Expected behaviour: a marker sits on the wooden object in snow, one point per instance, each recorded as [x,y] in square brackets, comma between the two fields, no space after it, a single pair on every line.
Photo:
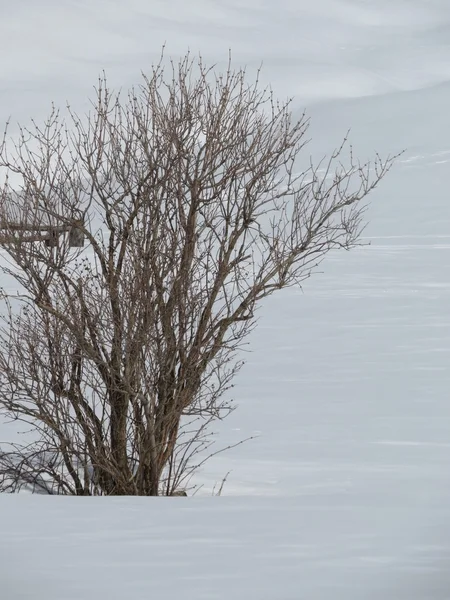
[44,233]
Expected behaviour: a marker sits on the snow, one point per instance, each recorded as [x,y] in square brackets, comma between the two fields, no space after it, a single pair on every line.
[232,548]
[345,491]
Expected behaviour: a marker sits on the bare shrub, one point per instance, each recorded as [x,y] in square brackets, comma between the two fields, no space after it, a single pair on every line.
[194,204]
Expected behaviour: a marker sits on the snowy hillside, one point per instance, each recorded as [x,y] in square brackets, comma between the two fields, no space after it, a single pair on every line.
[345,493]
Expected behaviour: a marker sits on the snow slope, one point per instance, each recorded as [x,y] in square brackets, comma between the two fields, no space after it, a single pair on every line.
[242,548]
[345,493]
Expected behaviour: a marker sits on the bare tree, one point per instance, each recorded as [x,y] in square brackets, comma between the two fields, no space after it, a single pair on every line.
[195,202]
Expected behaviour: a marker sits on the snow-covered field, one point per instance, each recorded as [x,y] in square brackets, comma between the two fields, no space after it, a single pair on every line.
[345,493]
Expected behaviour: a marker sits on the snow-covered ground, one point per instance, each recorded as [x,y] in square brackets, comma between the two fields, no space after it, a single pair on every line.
[345,493]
